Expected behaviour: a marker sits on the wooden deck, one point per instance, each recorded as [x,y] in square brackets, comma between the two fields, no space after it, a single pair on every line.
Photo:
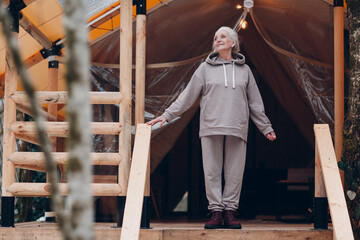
[253,229]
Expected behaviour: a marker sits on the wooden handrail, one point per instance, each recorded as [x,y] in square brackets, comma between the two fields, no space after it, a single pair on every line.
[37,158]
[43,189]
[328,182]
[136,187]
[61,129]
[60,97]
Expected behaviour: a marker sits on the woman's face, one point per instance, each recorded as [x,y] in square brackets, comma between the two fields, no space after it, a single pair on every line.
[222,41]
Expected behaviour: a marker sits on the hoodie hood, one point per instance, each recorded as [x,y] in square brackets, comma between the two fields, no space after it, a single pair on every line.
[213,59]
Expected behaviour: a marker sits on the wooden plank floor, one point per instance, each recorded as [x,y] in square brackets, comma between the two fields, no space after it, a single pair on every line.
[253,229]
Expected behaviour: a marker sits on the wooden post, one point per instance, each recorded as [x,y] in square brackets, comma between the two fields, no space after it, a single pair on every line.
[140,93]
[125,89]
[320,200]
[8,168]
[339,77]
[53,85]
[52,110]
[140,68]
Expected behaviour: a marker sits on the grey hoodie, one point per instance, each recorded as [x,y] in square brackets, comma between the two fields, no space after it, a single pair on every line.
[229,96]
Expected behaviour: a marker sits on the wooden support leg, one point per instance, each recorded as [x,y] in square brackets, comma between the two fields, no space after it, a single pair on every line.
[321,213]
[145,217]
[320,201]
[120,210]
[7,211]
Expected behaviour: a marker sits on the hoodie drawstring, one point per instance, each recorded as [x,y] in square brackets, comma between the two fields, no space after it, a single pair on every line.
[233,68]
[225,78]
[233,75]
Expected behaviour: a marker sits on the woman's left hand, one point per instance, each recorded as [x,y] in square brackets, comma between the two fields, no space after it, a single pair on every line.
[271,136]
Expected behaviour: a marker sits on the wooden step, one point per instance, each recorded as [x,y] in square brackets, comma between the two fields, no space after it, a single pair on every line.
[61,97]
[176,231]
[61,129]
[43,189]
[37,158]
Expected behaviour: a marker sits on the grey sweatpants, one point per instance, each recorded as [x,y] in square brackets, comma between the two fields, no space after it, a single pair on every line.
[233,163]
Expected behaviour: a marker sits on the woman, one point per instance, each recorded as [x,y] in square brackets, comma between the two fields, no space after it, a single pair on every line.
[229,96]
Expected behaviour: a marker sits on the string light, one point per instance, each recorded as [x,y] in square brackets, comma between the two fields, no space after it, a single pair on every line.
[238,6]
[244,24]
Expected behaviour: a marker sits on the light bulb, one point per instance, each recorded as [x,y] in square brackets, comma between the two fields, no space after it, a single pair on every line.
[238,6]
[244,25]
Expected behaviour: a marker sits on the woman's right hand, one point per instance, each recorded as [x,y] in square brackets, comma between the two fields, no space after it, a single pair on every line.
[160,119]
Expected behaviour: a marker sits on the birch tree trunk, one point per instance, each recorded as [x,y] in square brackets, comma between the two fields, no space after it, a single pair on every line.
[351,147]
[79,173]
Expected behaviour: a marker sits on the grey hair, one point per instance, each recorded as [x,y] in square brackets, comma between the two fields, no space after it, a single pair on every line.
[233,36]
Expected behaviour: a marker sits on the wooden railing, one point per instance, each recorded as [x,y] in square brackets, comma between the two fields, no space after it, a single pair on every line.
[328,183]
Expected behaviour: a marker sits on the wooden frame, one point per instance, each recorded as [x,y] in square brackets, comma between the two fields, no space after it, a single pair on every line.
[27,130]
[125,88]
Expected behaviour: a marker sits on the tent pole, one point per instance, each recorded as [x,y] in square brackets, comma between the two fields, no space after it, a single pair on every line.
[338,77]
[125,81]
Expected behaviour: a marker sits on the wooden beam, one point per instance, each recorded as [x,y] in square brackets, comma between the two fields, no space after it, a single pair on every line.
[33,59]
[136,187]
[37,158]
[43,189]
[125,81]
[29,62]
[60,97]
[338,81]
[37,168]
[8,168]
[61,129]
[25,108]
[334,190]
[140,68]
[33,31]
[28,138]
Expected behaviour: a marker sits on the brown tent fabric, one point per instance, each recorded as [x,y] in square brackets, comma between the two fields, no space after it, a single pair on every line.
[184,29]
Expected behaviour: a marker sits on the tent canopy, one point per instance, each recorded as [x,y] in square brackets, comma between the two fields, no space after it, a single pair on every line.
[183,29]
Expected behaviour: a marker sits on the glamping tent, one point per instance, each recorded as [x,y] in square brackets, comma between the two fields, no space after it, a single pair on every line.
[288,44]
[289,47]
